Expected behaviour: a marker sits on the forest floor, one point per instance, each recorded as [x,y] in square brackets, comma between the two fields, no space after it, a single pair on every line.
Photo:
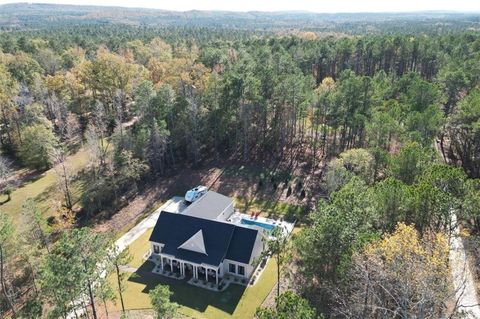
[271,197]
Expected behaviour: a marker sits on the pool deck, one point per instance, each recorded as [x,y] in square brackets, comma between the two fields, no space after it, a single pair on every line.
[236,218]
[177,205]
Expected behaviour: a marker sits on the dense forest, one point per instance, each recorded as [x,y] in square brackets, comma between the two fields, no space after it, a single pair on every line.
[391,119]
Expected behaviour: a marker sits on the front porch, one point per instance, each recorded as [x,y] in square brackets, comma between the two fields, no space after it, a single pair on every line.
[205,276]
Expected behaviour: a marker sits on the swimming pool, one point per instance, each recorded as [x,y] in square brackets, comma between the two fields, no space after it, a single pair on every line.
[257,223]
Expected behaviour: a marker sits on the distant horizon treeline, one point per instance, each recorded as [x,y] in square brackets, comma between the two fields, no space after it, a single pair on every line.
[18,16]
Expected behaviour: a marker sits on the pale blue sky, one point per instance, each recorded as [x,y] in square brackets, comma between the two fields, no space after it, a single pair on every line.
[282,5]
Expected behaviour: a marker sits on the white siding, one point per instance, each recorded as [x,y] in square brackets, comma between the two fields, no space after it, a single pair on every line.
[156,244]
[226,268]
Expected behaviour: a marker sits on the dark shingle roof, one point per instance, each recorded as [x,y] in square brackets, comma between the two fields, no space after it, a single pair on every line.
[221,239]
[245,244]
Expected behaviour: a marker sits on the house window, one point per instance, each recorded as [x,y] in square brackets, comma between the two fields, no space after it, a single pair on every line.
[241,270]
[156,249]
[231,268]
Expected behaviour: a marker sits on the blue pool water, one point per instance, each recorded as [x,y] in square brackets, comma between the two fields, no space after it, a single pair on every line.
[257,223]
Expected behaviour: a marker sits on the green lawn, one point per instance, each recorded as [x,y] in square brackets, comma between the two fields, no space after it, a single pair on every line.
[139,247]
[43,189]
[235,302]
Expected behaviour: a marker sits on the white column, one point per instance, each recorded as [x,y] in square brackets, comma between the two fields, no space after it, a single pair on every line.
[161,260]
[195,271]
[206,273]
[216,276]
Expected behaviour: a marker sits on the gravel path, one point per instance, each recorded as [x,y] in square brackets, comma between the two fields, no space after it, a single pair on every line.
[463,280]
[149,222]
[126,268]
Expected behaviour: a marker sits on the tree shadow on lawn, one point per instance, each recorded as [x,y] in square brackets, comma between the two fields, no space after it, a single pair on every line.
[187,295]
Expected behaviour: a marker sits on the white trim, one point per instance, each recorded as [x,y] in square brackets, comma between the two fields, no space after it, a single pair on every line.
[234,266]
[238,271]
[248,268]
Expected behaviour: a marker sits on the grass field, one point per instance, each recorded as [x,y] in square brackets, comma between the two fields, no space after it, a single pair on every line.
[235,302]
[43,189]
[138,249]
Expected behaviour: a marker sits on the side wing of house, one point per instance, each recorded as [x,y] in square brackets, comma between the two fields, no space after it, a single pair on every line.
[244,252]
[212,205]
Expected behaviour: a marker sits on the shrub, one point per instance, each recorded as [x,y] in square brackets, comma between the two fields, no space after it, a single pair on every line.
[8,190]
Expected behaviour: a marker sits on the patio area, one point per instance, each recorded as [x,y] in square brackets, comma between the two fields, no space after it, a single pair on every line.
[245,220]
[196,275]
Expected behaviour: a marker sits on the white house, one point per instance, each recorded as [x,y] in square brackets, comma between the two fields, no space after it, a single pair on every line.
[199,242]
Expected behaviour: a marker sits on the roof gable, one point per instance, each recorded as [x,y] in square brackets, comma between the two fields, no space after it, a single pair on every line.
[195,243]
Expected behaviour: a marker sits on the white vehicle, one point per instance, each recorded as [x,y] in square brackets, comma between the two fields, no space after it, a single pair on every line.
[195,193]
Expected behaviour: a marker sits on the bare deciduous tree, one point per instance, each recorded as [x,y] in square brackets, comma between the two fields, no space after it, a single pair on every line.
[64,177]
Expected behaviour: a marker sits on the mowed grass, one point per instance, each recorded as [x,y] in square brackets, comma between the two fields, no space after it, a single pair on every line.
[43,189]
[139,248]
[235,302]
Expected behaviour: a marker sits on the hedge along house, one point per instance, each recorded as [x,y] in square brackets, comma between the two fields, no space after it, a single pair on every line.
[199,243]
